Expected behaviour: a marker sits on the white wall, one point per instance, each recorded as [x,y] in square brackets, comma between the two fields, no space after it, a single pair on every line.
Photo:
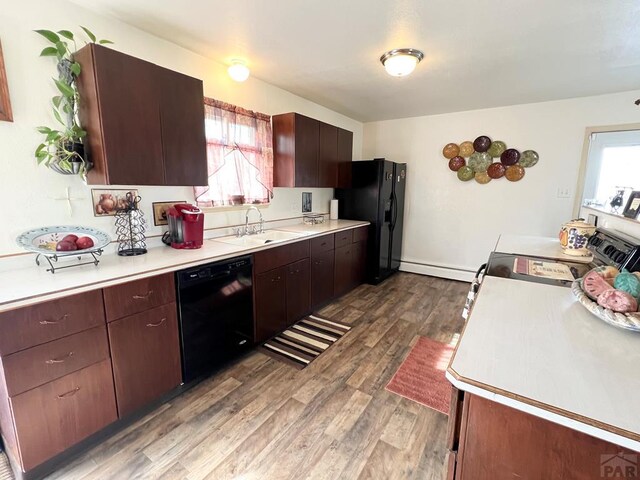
[454,225]
[29,192]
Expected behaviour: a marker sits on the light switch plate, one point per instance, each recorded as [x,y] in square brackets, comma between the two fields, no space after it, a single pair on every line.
[564,192]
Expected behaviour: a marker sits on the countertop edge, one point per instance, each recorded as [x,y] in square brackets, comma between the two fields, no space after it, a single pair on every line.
[567,419]
[32,300]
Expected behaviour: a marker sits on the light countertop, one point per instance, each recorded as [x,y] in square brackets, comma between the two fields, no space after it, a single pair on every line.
[546,247]
[23,283]
[535,348]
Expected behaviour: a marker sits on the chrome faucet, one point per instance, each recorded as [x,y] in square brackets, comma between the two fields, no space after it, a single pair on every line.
[253,230]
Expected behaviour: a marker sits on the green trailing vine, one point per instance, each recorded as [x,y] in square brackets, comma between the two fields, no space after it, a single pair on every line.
[59,149]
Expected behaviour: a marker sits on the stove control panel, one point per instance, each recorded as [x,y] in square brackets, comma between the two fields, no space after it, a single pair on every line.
[616,249]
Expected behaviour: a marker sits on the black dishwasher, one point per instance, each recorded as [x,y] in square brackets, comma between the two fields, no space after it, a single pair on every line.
[216,314]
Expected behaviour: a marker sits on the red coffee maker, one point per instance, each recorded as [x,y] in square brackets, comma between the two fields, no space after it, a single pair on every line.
[186,226]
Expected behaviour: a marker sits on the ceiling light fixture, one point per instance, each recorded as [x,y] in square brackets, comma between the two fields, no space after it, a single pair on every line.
[238,71]
[400,62]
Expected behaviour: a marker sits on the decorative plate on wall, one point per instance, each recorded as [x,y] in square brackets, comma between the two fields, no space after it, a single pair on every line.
[476,160]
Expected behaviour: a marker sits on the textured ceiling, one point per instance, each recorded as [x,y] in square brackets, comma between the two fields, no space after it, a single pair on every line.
[478,53]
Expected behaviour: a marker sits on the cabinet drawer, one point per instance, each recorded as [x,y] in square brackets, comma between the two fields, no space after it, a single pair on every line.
[344,238]
[57,415]
[29,326]
[145,351]
[38,365]
[360,234]
[134,297]
[280,256]
[322,244]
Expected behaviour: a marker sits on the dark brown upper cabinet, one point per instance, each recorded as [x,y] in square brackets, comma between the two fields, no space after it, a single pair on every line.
[144,123]
[345,157]
[328,156]
[308,153]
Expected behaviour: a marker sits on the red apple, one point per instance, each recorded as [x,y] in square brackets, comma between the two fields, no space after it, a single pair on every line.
[70,238]
[84,243]
[63,246]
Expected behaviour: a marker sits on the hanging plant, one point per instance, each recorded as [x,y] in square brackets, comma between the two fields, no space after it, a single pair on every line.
[62,149]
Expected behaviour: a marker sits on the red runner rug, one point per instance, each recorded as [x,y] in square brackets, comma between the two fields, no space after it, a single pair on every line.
[421,376]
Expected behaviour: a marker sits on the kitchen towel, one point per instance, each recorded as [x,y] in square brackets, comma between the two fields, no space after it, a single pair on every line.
[333,210]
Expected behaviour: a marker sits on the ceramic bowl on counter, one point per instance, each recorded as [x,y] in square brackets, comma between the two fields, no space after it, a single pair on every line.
[46,239]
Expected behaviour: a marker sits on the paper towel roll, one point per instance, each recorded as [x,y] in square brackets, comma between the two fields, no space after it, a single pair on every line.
[333,210]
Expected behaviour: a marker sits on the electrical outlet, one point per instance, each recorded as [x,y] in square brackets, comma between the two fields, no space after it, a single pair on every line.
[564,192]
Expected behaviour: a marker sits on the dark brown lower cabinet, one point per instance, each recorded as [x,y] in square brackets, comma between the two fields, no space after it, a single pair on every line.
[59,414]
[322,269]
[298,291]
[350,261]
[295,284]
[359,262]
[498,442]
[145,350]
[36,366]
[270,293]
[342,277]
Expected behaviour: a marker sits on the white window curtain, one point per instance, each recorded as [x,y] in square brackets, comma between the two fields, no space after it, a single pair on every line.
[239,156]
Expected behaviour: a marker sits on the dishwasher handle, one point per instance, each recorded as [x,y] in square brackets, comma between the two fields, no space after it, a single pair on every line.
[214,271]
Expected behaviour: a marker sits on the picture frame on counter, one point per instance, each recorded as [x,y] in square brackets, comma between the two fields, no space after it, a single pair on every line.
[160,210]
[6,114]
[106,202]
[307,202]
[632,208]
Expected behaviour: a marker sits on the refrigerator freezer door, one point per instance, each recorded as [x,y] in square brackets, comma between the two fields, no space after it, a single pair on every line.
[399,184]
[386,208]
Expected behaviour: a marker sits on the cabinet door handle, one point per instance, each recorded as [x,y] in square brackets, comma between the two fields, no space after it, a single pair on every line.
[157,324]
[54,322]
[70,393]
[323,244]
[59,359]
[143,297]
[318,262]
[277,279]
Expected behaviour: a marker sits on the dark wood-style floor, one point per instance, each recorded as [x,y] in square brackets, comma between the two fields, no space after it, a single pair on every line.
[262,419]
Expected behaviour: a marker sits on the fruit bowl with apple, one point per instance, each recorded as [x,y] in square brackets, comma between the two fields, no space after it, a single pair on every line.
[63,240]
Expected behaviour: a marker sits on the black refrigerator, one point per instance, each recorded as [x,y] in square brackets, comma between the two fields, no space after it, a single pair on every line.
[377,195]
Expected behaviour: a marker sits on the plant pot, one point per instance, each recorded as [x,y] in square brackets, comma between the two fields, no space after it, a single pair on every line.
[75,164]
[78,149]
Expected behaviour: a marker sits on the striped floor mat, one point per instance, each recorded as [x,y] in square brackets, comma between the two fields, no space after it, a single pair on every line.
[5,469]
[306,340]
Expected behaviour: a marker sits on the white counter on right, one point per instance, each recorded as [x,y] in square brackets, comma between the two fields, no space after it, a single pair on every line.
[546,247]
[535,348]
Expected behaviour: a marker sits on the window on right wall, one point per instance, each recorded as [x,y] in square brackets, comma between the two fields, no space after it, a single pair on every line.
[239,156]
[613,165]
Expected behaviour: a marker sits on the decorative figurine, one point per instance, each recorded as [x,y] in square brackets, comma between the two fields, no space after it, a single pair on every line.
[617,200]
